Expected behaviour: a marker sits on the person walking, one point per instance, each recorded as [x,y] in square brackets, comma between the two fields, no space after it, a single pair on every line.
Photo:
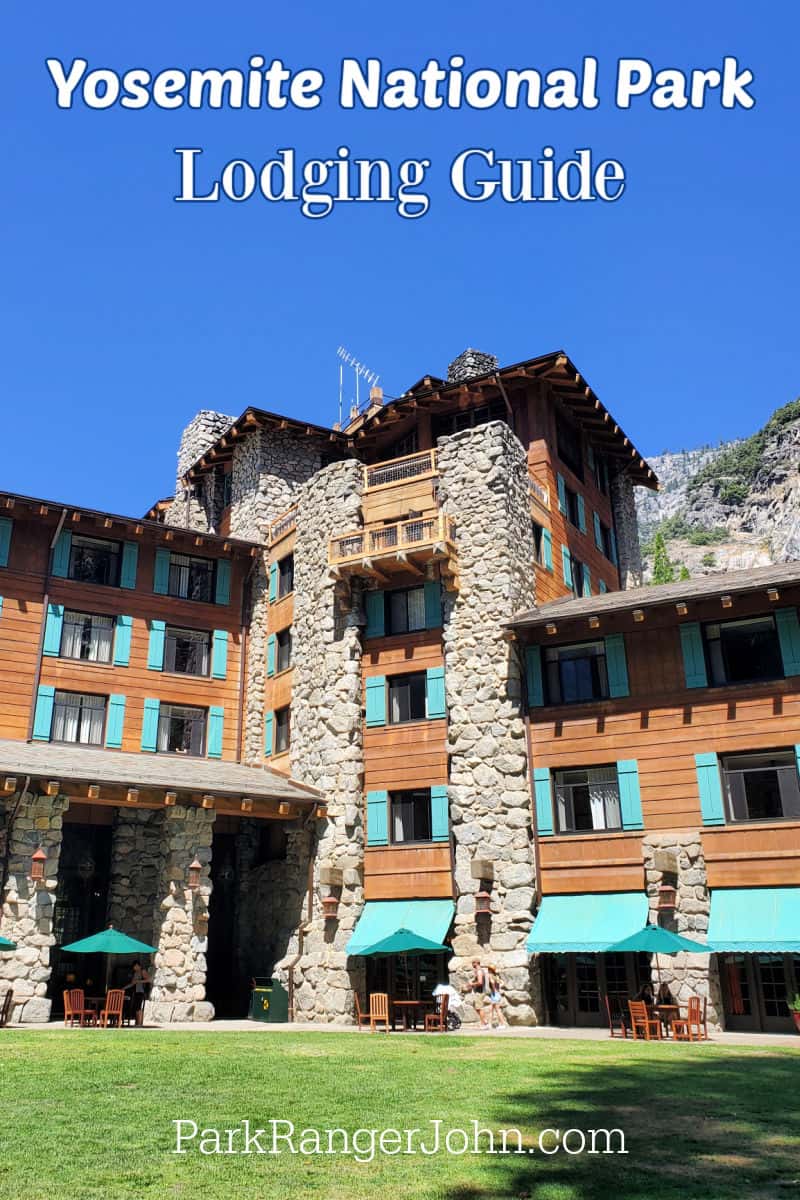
[495,998]
[479,986]
[139,987]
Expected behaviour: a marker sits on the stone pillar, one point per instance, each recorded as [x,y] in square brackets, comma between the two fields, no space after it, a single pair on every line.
[484,486]
[677,859]
[326,745]
[626,527]
[28,908]
[136,854]
[198,507]
[181,918]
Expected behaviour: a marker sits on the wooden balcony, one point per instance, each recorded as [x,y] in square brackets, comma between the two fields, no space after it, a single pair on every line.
[393,490]
[283,525]
[380,551]
[398,470]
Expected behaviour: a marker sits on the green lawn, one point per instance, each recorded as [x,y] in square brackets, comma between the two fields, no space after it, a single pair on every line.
[86,1115]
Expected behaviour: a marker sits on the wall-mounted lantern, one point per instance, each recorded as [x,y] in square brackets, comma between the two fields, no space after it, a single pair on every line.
[667,897]
[194,874]
[330,907]
[483,904]
[38,859]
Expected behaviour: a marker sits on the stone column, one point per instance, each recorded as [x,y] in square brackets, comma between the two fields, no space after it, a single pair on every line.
[136,854]
[626,527]
[198,507]
[484,486]
[28,907]
[181,918]
[677,859]
[326,745]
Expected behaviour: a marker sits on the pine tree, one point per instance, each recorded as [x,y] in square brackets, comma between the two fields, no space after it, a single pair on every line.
[683,574]
[663,570]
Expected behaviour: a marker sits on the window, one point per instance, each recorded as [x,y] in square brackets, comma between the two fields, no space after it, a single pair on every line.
[405,610]
[601,473]
[283,646]
[538,531]
[468,418]
[405,445]
[187,651]
[78,718]
[94,560]
[410,816]
[87,637]
[606,545]
[576,673]
[762,787]
[181,730]
[569,446]
[407,698]
[587,798]
[191,578]
[743,651]
[285,576]
[282,730]
[580,577]
[572,507]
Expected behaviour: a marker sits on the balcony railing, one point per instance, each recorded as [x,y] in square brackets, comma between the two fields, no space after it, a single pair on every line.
[379,540]
[412,466]
[283,525]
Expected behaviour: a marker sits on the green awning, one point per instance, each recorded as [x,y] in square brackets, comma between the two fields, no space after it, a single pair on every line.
[755,920]
[5,944]
[587,923]
[402,927]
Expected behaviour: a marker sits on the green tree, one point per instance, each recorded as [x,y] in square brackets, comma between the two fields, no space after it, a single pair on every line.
[663,570]
[683,574]
[709,560]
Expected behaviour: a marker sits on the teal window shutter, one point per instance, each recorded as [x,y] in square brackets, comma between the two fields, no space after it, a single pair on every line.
[219,654]
[155,651]
[789,638]
[598,531]
[710,787]
[61,553]
[694,659]
[562,493]
[269,721]
[544,801]
[433,604]
[273,583]
[581,513]
[52,630]
[587,581]
[630,800]
[547,549]
[130,560]
[161,572]
[1,606]
[435,702]
[271,654]
[440,814]
[150,725]
[222,594]
[566,565]
[43,714]
[616,665]
[115,722]
[123,627]
[376,614]
[533,676]
[376,700]
[613,541]
[6,525]
[377,818]
[216,718]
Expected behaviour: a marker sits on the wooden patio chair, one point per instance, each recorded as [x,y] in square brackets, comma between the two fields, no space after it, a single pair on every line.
[362,1018]
[75,1007]
[616,1024]
[693,1027]
[115,1002]
[6,1008]
[642,1019]
[436,1022]
[379,1011]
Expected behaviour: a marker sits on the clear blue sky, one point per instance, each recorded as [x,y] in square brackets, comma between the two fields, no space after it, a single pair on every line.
[123,312]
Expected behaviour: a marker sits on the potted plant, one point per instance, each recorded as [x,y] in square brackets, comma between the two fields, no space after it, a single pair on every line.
[794,1008]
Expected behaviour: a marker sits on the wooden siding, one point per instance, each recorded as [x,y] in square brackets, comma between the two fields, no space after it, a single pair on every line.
[753,855]
[609,862]
[403,652]
[408,872]
[398,757]
[394,501]
[20,626]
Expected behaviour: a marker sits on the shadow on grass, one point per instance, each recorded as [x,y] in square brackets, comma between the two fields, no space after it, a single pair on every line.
[698,1128]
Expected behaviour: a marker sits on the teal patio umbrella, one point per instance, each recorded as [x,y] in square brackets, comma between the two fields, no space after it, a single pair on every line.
[5,945]
[406,941]
[655,940]
[109,941]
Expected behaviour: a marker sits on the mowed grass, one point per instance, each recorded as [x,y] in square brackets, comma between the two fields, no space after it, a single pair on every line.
[87,1115]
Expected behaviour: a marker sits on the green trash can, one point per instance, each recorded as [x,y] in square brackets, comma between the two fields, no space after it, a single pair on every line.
[269,1001]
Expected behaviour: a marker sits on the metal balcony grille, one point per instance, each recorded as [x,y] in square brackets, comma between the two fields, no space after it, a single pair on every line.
[399,469]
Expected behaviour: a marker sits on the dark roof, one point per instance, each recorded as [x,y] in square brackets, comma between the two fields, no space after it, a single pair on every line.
[774,575]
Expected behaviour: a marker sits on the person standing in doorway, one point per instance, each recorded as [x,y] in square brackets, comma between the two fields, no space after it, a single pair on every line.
[139,987]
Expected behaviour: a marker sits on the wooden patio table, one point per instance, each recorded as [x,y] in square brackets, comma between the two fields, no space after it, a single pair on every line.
[667,1013]
[410,1008]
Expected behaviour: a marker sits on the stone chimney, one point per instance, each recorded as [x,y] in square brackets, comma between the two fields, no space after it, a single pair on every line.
[202,431]
[469,364]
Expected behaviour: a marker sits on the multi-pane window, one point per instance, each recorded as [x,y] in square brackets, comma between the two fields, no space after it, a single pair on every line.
[572,507]
[575,673]
[606,540]
[191,578]
[410,816]
[569,446]
[601,473]
[762,786]
[407,698]
[405,610]
[538,532]
[282,730]
[181,730]
[285,576]
[405,445]
[187,651]
[743,651]
[587,798]
[87,636]
[283,650]
[94,560]
[579,577]
[78,718]
[468,418]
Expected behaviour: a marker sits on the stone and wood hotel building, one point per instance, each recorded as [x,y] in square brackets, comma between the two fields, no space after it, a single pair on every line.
[397,676]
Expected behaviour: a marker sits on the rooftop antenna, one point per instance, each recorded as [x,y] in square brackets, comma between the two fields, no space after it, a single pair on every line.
[361,371]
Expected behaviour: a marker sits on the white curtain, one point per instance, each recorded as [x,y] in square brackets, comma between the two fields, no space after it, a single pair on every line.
[402,821]
[100,636]
[604,799]
[87,636]
[78,718]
